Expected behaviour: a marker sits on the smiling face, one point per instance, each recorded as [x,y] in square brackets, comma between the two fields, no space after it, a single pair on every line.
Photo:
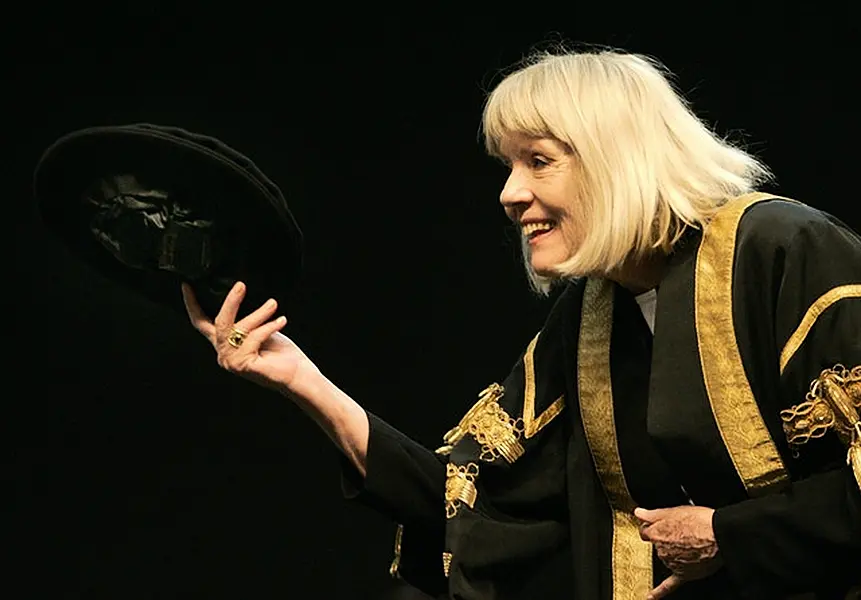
[540,196]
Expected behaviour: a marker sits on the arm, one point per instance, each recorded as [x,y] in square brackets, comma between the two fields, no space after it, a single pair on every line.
[388,472]
[340,417]
[405,482]
[808,537]
[383,468]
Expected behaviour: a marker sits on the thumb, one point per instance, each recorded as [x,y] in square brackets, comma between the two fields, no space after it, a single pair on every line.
[648,516]
[667,586]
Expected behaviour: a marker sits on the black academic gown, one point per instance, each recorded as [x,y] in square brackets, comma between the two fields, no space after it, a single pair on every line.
[532,495]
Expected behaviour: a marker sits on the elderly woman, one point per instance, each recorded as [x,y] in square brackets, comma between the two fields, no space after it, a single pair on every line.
[685,424]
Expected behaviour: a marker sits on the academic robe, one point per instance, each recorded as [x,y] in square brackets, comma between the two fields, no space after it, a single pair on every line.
[532,493]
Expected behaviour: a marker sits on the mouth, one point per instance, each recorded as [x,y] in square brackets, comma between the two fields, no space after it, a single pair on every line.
[534,231]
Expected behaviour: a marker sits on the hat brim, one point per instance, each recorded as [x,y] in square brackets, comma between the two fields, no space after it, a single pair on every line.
[258,238]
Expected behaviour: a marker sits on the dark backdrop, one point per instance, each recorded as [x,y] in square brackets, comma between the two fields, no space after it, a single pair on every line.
[138,468]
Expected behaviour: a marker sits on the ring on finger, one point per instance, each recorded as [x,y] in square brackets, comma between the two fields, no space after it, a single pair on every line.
[236,337]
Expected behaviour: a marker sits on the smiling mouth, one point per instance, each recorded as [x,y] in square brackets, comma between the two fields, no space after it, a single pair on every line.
[535,230]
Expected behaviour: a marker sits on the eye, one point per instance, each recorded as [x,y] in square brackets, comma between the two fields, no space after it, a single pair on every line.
[538,161]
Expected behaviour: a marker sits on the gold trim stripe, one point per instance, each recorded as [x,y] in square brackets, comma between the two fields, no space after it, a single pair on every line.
[735,410]
[595,389]
[396,561]
[822,304]
[632,557]
[536,425]
[531,425]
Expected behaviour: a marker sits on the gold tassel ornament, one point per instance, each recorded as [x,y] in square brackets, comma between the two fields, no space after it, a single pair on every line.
[833,403]
[853,457]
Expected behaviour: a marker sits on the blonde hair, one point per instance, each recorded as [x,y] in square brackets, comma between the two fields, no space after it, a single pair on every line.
[650,168]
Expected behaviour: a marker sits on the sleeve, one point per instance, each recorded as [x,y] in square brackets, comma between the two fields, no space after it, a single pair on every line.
[808,537]
[405,482]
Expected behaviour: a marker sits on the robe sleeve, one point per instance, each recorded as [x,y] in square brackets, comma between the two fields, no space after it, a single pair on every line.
[405,482]
[809,536]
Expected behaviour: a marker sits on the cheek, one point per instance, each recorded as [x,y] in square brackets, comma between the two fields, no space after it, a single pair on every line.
[573,218]
[571,232]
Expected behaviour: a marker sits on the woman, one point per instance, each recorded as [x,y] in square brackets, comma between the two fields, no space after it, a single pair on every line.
[680,425]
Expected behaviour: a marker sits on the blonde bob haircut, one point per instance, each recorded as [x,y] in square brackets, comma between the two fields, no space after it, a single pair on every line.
[650,168]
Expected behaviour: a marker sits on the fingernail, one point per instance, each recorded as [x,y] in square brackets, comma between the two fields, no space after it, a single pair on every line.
[238,286]
[282,320]
[270,303]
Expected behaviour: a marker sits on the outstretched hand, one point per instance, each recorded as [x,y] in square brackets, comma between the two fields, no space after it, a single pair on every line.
[258,352]
[684,539]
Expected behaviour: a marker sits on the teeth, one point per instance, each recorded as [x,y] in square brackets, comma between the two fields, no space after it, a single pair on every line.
[533,228]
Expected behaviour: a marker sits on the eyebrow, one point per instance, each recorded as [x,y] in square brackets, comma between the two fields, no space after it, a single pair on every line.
[528,147]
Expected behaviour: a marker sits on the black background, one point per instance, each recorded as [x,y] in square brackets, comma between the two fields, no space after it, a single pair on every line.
[139,469]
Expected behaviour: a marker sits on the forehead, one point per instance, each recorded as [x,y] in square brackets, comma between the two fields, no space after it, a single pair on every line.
[518,143]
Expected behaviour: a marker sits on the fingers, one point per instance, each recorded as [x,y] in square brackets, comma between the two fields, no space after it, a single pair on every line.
[196,315]
[258,317]
[226,317]
[667,586]
[256,338]
[647,518]
[256,326]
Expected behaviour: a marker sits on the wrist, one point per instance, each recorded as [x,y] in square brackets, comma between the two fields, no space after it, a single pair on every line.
[320,398]
[306,384]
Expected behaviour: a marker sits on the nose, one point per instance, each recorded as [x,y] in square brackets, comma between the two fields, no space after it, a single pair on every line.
[515,195]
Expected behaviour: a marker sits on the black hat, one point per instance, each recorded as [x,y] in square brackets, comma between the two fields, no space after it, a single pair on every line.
[151,206]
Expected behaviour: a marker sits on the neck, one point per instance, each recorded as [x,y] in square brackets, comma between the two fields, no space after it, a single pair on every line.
[641,275]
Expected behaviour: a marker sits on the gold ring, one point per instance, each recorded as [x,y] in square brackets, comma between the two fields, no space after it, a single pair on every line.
[236,337]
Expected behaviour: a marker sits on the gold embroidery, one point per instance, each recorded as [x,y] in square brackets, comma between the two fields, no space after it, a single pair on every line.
[833,402]
[816,309]
[498,434]
[735,410]
[446,562]
[492,427]
[460,487]
[544,418]
[531,425]
[632,557]
[396,562]
[809,420]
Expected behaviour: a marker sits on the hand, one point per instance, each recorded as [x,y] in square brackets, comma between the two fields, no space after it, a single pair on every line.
[684,540]
[266,356]
[270,359]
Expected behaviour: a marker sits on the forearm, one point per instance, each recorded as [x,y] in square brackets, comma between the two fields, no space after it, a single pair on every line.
[797,541]
[388,471]
[340,417]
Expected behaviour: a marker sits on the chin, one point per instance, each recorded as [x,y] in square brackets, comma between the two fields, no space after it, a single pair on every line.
[547,270]
[547,266]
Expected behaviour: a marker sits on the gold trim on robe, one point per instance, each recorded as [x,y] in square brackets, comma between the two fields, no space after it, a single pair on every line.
[460,487]
[632,557]
[396,561]
[833,402]
[498,434]
[745,435]
[822,303]
[530,423]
